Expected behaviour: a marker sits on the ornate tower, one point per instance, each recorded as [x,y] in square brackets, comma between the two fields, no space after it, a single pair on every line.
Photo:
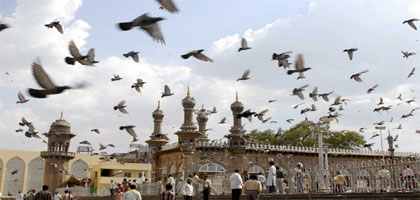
[157,139]
[202,119]
[188,133]
[57,157]
[237,137]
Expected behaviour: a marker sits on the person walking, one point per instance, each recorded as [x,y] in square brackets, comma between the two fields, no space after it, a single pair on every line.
[118,194]
[44,194]
[168,194]
[252,188]
[300,177]
[262,180]
[112,187]
[236,185]
[19,195]
[279,180]
[57,196]
[132,194]
[271,178]
[188,190]
[207,186]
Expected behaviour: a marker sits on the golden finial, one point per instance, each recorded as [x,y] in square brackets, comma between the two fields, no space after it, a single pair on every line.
[61,115]
[188,91]
[237,98]
[158,105]
[202,107]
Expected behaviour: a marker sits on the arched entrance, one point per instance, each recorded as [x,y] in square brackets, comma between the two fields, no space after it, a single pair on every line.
[15,172]
[35,177]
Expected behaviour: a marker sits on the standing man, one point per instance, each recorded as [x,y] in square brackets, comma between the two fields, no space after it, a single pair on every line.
[188,190]
[236,185]
[279,180]
[408,176]
[195,181]
[57,196]
[112,187]
[44,194]
[384,178]
[19,196]
[208,185]
[132,194]
[171,180]
[300,177]
[252,188]
[261,179]
[271,179]
[168,194]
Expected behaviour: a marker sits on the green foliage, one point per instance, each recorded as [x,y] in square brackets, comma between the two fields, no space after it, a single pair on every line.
[302,135]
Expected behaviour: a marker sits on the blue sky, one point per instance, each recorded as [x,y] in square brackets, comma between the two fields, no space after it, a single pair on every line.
[319,30]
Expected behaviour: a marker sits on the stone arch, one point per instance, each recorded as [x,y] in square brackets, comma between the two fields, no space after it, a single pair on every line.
[14,182]
[255,170]
[79,168]
[35,175]
[164,171]
[211,168]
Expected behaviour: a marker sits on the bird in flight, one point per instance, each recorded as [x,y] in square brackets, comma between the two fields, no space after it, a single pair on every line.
[137,85]
[350,52]
[197,54]
[411,72]
[130,130]
[121,107]
[21,98]
[407,54]
[148,24]
[244,45]
[168,5]
[245,76]
[45,82]
[88,60]
[298,91]
[56,25]
[410,22]
[299,67]
[166,92]
[356,76]
[95,130]
[370,90]
[133,54]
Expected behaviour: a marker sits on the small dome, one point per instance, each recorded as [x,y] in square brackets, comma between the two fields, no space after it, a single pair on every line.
[237,106]
[158,113]
[188,101]
[202,116]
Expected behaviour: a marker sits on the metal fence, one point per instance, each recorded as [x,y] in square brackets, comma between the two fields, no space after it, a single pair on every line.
[389,175]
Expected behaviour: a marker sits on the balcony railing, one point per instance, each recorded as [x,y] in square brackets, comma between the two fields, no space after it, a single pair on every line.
[57,154]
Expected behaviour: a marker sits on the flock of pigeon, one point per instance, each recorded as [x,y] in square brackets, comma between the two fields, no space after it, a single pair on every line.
[151,26]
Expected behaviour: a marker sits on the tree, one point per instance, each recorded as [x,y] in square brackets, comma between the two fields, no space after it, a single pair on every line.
[302,135]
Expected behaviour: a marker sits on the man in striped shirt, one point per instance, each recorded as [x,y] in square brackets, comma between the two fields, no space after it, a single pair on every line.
[168,194]
[44,194]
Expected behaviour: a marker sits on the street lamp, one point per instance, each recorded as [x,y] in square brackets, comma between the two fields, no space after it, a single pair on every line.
[316,128]
[380,128]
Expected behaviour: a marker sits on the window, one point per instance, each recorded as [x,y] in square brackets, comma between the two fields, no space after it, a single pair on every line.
[211,167]
[256,169]
[127,174]
[140,174]
[106,172]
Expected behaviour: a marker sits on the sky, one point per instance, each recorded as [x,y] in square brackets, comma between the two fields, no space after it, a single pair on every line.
[319,30]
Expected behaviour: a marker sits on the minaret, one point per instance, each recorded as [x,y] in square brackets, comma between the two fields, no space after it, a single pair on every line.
[202,119]
[157,139]
[237,137]
[188,133]
[57,157]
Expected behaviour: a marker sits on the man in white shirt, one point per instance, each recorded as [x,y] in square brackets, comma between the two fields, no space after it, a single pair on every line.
[112,187]
[171,180]
[271,178]
[408,176]
[384,178]
[261,179]
[19,196]
[132,194]
[188,190]
[236,185]
[57,196]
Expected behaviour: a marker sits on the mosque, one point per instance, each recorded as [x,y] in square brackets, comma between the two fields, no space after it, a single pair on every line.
[194,153]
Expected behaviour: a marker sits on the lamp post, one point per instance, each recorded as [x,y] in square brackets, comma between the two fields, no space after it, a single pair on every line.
[380,128]
[316,128]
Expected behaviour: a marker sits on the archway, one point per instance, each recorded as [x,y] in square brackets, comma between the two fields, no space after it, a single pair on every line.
[256,170]
[15,173]
[78,169]
[35,177]
[173,170]
[211,168]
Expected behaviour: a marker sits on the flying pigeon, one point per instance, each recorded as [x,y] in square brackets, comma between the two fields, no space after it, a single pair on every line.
[356,76]
[314,94]
[101,147]
[381,101]
[223,120]
[121,107]
[325,96]
[14,171]
[247,114]
[3,26]
[350,52]
[411,72]
[88,60]
[21,98]
[298,91]
[407,54]
[134,55]
[116,77]
[289,120]
[56,25]
[168,5]
[244,45]
[411,23]
[272,101]
[299,66]
[130,130]
[197,54]
[95,130]
[370,90]
[244,76]
[369,146]
[261,114]
[45,82]
[137,85]
[148,24]
[85,142]
[166,92]
[19,130]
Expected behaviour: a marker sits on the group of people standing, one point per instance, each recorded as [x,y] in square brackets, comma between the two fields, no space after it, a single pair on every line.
[188,189]
[125,190]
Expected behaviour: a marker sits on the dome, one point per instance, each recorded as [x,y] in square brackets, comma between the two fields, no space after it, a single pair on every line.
[158,113]
[237,106]
[202,116]
[188,101]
